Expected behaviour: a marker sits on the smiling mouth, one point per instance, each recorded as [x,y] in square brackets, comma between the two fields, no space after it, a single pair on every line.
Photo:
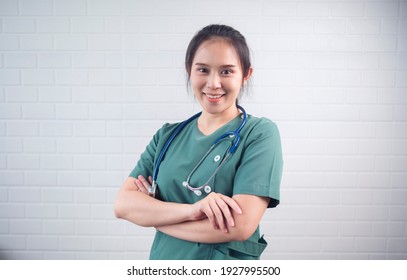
[214,96]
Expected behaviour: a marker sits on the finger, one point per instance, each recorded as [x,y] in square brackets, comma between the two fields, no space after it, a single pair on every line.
[144,182]
[232,204]
[216,209]
[140,186]
[206,209]
[226,212]
[150,179]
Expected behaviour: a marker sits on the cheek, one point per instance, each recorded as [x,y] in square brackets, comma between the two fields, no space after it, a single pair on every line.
[196,82]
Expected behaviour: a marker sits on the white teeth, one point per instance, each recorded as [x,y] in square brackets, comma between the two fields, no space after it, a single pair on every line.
[214,96]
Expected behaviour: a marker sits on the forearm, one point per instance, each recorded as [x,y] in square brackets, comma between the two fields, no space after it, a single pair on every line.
[141,209]
[202,231]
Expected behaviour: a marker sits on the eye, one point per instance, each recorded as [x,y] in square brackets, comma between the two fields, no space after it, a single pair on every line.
[226,72]
[202,70]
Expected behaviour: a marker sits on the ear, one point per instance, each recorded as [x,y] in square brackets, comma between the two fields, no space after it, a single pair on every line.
[249,74]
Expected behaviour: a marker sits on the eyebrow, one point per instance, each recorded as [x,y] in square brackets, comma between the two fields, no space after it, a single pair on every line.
[224,66]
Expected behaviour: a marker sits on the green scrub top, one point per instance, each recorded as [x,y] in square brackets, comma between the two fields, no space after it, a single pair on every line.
[255,168]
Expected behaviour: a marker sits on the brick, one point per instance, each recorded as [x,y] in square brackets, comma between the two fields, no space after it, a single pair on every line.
[331,26]
[382,9]
[25,162]
[4,227]
[56,195]
[358,164]
[103,7]
[71,42]
[43,211]
[21,94]
[88,94]
[103,212]
[105,42]
[93,228]
[91,128]
[87,25]
[12,243]
[9,211]
[25,194]
[376,113]
[90,196]
[365,27]
[43,243]
[54,60]
[75,243]
[74,178]
[72,211]
[73,7]
[71,77]
[280,9]
[88,60]
[300,26]
[56,25]
[9,7]
[37,42]
[55,128]
[10,111]
[313,9]
[19,25]
[72,111]
[37,7]
[11,145]
[58,227]
[347,44]
[20,60]
[42,178]
[38,77]
[372,213]
[10,77]
[57,94]
[105,77]
[142,42]
[380,44]
[72,146]
[338,245]
[25,227]
[348,9]
[23,128]
[9,42]
[370,245]
[38,111]
[53,162]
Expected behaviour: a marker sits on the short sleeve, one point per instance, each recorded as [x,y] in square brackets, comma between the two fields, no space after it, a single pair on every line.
[145,164]
[261,165]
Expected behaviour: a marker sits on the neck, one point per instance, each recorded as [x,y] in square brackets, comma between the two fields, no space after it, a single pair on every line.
[209,123]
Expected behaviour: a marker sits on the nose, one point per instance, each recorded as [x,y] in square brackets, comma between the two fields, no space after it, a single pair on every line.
[213,81]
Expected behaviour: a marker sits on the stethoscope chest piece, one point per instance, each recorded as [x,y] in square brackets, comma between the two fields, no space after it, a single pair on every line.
[197,191]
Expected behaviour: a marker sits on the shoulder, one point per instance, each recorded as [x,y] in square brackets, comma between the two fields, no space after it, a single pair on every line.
[261,127]
[165,131]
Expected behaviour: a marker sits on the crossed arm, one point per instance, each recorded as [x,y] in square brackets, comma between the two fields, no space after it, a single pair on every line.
[214,219]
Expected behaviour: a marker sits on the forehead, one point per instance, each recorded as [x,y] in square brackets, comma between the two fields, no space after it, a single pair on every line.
[216,50]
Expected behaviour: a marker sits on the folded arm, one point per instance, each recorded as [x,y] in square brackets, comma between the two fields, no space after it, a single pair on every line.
[135,205]
[253,208]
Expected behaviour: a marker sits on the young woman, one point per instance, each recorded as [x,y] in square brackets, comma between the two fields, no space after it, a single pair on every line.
[205,184]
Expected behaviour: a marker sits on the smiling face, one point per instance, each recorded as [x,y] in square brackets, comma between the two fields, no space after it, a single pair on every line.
[216,77]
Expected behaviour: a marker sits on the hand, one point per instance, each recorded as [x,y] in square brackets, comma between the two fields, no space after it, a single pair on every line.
[142,184]
[217,208]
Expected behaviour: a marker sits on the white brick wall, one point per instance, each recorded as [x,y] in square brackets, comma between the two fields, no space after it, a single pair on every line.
[85,83]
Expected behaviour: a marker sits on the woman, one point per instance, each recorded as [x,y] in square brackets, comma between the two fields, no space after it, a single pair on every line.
[209,201]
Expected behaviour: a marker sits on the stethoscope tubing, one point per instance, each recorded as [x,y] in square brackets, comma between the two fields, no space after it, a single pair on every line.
[232,134]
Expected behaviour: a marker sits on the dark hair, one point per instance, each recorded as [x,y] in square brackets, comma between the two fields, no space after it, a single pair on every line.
[227,33]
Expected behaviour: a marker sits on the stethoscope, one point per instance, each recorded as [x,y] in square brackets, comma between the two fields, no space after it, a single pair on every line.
[233,135]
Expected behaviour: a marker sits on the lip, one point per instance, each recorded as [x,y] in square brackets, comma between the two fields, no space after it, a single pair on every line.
[212,97]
